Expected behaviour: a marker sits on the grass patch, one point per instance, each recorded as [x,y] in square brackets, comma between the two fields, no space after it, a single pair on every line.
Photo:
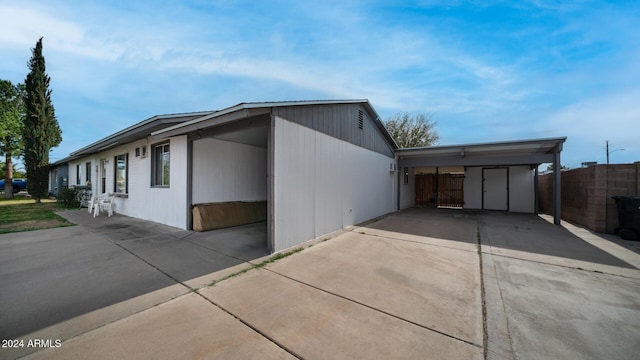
[262,264]
[23,214]
[237,273]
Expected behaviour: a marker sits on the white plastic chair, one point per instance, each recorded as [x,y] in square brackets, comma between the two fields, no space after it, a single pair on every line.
[92,203]
[96,206]
[104,203]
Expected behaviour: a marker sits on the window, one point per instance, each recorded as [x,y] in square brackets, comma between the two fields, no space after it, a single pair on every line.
[88,172]
[121,185]
[78,168]
[160,165]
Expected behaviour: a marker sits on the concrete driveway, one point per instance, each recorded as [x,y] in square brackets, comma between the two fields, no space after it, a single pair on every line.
[410,285]
[52,276]
[558,292]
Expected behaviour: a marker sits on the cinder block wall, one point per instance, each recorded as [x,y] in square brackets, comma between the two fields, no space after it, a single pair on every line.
[623,179]
[586,194]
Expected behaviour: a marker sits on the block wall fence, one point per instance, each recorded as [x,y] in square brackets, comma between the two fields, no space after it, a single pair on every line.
[586,194]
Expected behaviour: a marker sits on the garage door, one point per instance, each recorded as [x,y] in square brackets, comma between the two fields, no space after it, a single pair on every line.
[495,191]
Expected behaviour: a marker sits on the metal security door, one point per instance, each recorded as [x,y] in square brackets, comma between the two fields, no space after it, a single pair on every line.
[495,189]
[103,176]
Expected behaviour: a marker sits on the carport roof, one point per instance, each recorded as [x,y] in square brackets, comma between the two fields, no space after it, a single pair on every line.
[519,152]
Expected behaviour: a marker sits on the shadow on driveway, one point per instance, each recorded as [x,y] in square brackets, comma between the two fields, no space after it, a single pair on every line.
[50,276]
[532,234]
[512,231]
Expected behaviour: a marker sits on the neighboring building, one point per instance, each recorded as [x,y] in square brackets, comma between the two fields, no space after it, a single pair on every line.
[59,176]
[317,167]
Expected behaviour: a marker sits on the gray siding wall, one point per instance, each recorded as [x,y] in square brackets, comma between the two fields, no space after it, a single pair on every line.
[339,121]
[322,184]
[58,178]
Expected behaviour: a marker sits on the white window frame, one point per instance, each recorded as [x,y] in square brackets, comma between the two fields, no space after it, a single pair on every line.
[116,189]
[161,165]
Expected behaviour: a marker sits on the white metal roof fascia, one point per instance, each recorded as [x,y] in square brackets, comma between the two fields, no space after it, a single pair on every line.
[303,102]
[525,146]
[132,129]
[200,119]
[63,160]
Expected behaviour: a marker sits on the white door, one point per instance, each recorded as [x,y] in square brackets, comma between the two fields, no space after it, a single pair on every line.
[495,191]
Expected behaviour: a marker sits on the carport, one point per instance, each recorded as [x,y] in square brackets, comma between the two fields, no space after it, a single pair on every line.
[498,175]
[227,160]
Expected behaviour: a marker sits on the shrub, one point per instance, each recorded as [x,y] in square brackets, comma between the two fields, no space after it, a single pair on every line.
[69,197]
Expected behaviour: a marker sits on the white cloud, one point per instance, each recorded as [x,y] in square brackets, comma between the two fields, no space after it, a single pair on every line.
[379,63]
[22,27]
[614,116]
[589,123]
[346,50]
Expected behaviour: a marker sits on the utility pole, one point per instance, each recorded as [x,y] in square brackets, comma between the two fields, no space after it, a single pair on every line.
[609,152]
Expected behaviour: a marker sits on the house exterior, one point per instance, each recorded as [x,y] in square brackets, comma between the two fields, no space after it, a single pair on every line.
[122,163]
[320,166]
[317,166]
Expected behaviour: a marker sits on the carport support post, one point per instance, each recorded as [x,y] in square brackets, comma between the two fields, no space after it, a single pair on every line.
[536,190]
[557,185]
[189,182]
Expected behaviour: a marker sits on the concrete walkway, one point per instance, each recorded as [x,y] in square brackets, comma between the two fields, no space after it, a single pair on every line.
[557,292]
[410,285]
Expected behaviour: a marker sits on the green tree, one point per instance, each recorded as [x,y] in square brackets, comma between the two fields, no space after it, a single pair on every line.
[412,131]
[11,117]
[550,167]
[41,131]
[17,172]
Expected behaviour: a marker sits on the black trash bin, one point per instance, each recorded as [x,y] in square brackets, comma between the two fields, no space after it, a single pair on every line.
[628,217]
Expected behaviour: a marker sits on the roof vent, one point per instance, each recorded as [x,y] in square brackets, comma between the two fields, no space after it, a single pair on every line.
[360,120]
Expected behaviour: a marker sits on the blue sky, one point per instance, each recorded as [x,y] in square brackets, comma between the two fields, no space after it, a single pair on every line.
[486,70]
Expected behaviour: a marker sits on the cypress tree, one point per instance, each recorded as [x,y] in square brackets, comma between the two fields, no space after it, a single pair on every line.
[40,132]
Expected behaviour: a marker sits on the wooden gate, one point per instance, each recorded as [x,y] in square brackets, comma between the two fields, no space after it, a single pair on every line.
[440,190]
[426,189]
